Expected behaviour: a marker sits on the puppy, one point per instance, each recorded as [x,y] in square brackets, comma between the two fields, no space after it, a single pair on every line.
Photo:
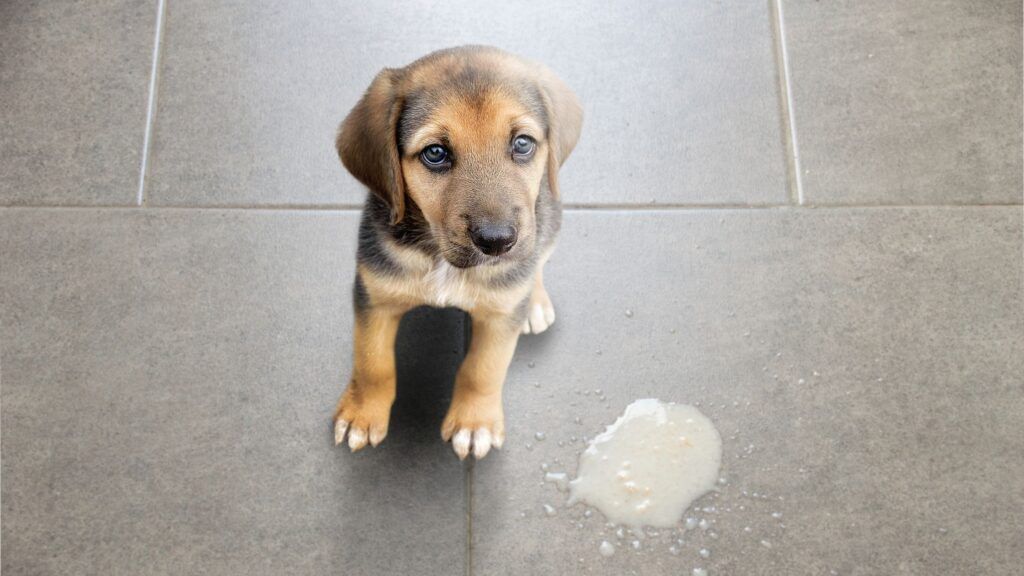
[460,151]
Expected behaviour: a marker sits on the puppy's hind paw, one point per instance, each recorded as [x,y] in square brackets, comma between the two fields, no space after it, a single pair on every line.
[540,314]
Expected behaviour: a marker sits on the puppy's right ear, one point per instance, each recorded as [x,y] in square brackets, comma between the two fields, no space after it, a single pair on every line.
[368,142]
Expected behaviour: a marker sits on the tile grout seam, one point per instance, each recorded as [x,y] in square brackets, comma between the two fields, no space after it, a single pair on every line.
[469,517]
[682,207]
[467,332]
[154,74]
[786,101]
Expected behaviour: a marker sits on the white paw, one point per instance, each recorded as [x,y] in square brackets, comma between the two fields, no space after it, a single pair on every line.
[539,317]
[358,436]
[479,442]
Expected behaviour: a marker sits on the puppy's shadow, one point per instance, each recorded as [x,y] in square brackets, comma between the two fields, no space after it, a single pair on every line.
[383,496]
[430,347]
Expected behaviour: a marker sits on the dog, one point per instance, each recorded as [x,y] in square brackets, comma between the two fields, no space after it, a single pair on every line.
[460,151]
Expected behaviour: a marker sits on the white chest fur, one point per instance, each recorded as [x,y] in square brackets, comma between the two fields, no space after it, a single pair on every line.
[434,282]
[445,285]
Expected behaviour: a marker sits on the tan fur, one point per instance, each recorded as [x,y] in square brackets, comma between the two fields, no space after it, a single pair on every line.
[477,399]
[366,403]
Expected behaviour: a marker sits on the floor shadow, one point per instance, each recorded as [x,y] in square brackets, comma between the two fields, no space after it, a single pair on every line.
[428,351]
[384,498]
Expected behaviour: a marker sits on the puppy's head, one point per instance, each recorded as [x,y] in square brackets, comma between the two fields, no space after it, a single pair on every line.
[469,135]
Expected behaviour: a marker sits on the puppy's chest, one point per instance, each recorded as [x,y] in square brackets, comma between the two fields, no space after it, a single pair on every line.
[445,285]
[431,280]
[438,283]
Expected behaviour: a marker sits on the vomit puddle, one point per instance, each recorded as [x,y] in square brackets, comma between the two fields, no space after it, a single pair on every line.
[650,465]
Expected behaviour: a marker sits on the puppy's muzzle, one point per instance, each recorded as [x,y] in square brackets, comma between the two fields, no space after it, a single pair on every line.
[493,239]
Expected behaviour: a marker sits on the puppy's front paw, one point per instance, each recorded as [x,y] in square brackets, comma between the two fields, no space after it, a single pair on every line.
[540,313]
[363,418]
[476,423]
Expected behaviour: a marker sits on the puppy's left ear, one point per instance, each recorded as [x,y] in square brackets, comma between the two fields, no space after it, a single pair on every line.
[368,144]
[565,120]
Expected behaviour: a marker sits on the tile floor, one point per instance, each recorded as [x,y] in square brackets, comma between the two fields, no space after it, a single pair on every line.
[812,210]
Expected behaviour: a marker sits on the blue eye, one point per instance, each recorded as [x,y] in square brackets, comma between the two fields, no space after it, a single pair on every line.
[435,156]
[523,147]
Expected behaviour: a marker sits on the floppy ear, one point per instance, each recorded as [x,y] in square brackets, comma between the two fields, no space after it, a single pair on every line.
[368,142]
[565,120]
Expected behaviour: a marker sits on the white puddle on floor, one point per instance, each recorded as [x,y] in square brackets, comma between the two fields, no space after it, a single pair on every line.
[650,465]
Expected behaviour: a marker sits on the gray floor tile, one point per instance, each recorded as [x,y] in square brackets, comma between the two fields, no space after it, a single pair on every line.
[863,367]
[907,102]
[74,80]
[168,383]
[681,98]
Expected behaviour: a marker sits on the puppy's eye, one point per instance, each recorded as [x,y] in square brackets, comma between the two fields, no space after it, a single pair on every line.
[435,157]
[523,148]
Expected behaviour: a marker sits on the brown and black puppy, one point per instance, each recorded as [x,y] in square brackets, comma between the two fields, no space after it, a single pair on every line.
[460,151]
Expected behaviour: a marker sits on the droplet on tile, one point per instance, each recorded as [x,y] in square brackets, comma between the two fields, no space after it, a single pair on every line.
[550,510]
[540,436]
[766,544]
[704,553]
[559,479]
[629,313]
[606,549]
[699,572]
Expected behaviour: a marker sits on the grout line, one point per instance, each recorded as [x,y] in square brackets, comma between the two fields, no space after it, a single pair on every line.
[568,207]
[786,100]
[469,515]
[154,73]
[582,206]
[467,332]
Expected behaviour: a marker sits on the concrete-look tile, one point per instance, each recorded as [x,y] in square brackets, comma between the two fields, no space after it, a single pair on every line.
[677,95]
[862,365]
[74,78]
[915,102]
[168,383]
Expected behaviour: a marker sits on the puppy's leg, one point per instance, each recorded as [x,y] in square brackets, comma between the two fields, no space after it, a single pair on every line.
[475,417]
[540,313]
[365,407]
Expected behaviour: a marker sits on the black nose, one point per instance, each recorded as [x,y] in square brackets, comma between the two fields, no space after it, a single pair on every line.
[493,239]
